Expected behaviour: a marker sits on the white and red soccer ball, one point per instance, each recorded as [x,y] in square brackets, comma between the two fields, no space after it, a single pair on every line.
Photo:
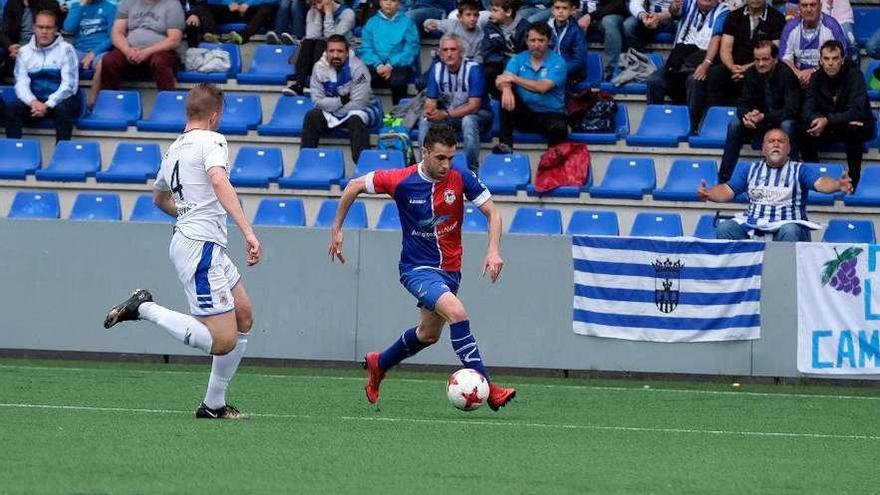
[467,389]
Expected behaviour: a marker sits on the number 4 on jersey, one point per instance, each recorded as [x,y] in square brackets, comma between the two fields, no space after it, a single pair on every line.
[176,187]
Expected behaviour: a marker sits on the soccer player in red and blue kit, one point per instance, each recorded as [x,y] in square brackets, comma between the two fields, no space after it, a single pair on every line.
[430,198]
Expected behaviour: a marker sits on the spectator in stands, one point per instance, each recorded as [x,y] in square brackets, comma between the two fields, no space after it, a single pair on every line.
[465,26]
[422,10]
[771,99]
[533,92]
[325,18]
[872,47]
[18,25]
[290,23]
[340,90]
[46,80]
[778,204]
[389,48]
[802,37]
[146,36]
[697,40]
[193,11]
[837,109]
[456,96]
[607,19]
[568,40]
[744,28]
[535,10]
[503,37]
[649,17]
[842,12]
[90,22]
[255,14]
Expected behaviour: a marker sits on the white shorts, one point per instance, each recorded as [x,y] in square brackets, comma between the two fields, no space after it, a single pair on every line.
[206,273]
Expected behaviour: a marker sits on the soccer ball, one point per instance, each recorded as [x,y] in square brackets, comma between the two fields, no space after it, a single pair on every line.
[467,389]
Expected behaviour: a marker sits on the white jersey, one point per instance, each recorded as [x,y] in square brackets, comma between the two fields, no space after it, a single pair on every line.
[184,172]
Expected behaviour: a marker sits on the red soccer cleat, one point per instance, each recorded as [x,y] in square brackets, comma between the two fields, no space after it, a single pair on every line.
[500,396]
[375,374]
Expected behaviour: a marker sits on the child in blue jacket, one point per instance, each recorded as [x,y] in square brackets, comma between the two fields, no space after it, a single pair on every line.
[389,47]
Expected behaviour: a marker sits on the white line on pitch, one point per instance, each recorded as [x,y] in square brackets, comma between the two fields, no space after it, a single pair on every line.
[423,380]
[475,422]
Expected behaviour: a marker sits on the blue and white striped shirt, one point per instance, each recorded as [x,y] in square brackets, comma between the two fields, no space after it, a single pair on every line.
[776,195]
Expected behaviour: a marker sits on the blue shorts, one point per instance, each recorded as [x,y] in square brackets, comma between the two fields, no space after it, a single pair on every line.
[427,285]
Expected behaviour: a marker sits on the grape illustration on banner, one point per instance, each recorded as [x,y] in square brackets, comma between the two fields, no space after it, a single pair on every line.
[841,272]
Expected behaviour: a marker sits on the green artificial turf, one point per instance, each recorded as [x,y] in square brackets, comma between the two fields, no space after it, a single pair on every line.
[129,428]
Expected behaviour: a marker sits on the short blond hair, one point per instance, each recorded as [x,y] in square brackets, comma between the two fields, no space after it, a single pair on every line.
[202,101]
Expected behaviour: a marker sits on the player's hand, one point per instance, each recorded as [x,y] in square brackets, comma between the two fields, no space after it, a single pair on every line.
[702,191]
[335,250]
[493,264]
[254,249]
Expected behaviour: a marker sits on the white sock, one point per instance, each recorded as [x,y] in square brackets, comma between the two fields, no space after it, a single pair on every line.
[222,370]
[184,328]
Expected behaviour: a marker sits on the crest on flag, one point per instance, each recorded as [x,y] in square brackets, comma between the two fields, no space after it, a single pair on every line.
[667,284]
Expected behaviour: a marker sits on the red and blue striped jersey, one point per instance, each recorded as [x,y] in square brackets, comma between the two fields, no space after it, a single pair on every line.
[430,212]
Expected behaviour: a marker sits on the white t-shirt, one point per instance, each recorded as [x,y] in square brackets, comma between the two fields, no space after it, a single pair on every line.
[184,172]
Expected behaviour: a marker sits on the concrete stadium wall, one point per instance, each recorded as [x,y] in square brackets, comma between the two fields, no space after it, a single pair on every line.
[60,277]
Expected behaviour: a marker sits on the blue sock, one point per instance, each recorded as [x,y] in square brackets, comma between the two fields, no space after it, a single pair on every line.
[465,346]
[407,345]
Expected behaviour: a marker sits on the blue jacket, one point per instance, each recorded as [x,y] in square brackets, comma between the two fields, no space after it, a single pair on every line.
[394,41]
[49,74]
[572,46]
[90,26]
[496,48]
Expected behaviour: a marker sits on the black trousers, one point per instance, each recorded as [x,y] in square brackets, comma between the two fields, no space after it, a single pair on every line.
[314,125]
[400,77]
[309,52]
[853,138]
[256,17]
[491,72]
[65,114]
[552,125]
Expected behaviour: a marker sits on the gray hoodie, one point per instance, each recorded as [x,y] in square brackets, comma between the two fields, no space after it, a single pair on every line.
[473,37]
[328,84]
[320,26]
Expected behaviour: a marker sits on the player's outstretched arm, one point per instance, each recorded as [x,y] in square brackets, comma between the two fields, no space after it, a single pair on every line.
[354,188]
[164,201]
[493,264]
[229,199]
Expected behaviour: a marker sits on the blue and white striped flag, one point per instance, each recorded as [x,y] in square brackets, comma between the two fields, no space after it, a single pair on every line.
[660,290]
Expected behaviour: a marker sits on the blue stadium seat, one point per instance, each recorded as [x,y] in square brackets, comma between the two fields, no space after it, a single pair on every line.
[706,227]
[256,167]
[744,196]
[874,143]
[529,220]
[684,178]
[8,95]
[389,218]
[231,26]
[506,174]
[132,163]
[168,113]
[271,65]
[234,52]
[585,222]
[713,132]
[867,19]
[35,204]
[281,212]
[315,168]
[656,225]
[845,230]
[371,160]
[834,170]
[627,178]
[632,88]
[868,191]
[72,161]
[474,220]
[113,111]
[287,118]
[595,72]
[94,206]
[356,218]
[145,211]
[662,125]
[19,157]
[873,94]
[621,129]
[241,113]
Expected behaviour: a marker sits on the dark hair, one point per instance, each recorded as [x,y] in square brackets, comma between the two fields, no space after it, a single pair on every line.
[541,28]
[774,50]
[203,100]
[469,5]
[573,3]
[338,38]
[833,45]
[442,134]
[509,5]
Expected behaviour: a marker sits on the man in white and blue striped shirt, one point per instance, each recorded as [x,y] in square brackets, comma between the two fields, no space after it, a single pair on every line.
[777,189]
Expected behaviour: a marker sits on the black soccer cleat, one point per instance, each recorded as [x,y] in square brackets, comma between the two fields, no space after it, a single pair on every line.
[128,310]
[226,412]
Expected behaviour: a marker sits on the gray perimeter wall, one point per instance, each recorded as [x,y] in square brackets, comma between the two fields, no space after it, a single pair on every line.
[60,277]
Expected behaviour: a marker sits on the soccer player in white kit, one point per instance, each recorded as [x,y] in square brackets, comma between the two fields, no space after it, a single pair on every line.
[193,185]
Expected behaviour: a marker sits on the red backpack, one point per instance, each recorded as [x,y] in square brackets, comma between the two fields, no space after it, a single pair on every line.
[566,164]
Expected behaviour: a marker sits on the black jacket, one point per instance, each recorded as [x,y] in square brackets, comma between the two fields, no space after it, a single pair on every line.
[10,33]
[786,92]
[840,99]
